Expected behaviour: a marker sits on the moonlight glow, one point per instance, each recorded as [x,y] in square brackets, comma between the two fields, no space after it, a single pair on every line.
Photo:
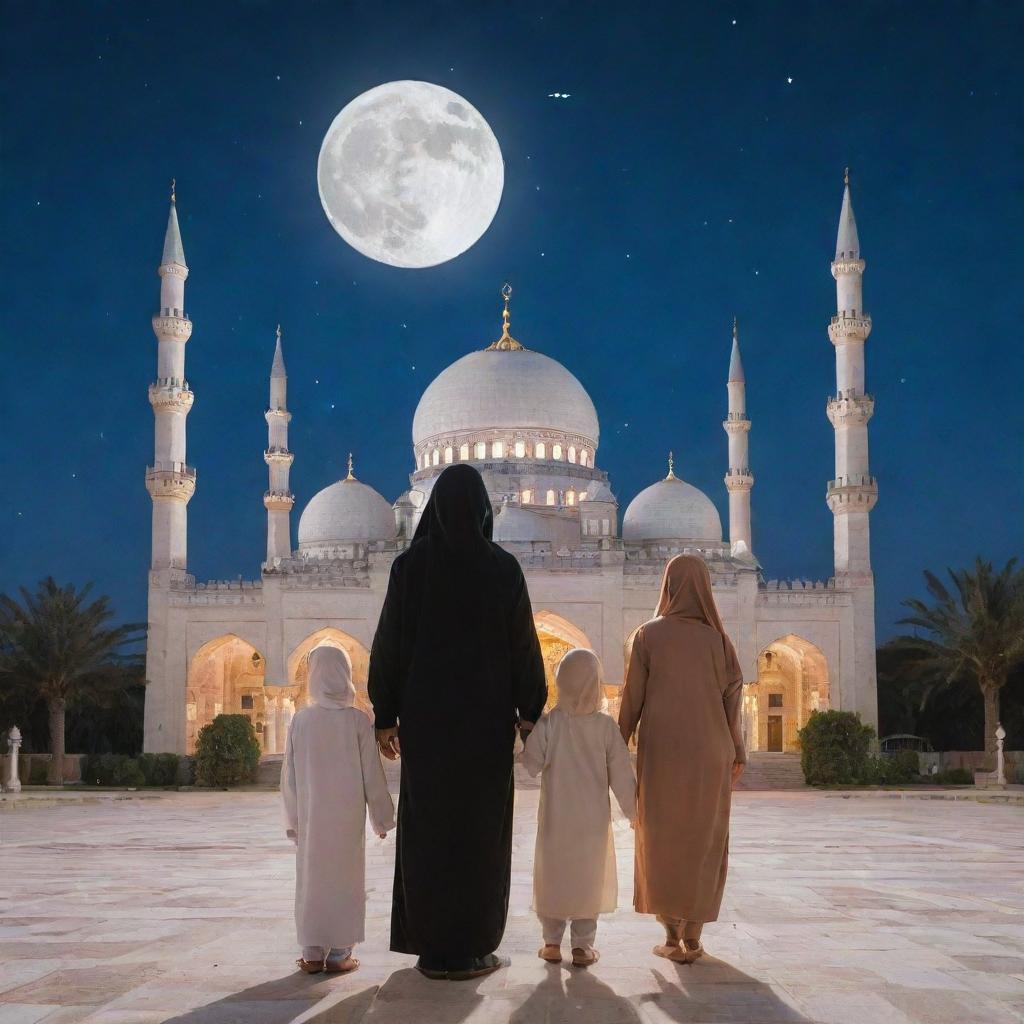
[410,174]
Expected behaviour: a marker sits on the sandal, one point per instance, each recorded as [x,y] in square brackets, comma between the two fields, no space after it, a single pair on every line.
[550,953]
[585,957]
[679,954]
[309,966]
[346,966]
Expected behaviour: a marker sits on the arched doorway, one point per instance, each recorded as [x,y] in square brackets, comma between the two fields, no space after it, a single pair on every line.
[557,637]
[225,676]
[298,666]
[792,681]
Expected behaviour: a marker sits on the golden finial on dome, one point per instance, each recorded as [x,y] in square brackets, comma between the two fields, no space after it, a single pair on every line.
[671,467]
[351,475]
[173,197]
[506,343]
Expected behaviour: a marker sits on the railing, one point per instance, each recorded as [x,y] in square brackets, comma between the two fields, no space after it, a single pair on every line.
[171,382]
[180,468]
[179,314]
[852,481]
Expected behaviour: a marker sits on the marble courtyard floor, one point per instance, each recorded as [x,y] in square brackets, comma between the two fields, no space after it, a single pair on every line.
[177,908]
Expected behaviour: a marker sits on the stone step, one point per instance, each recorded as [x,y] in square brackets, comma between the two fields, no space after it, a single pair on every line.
[269,771]
[769,771]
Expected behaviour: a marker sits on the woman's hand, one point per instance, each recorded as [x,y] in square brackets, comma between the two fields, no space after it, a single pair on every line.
[525,728]
[737,770]
[387,740]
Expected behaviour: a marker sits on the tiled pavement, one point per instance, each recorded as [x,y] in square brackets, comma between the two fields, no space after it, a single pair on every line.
[866,911]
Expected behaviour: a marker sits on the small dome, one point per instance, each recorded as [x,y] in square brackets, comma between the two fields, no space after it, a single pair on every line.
[348,511]
[514,389]
[672,509]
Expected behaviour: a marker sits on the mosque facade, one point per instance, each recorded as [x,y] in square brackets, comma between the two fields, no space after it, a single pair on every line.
[527,424]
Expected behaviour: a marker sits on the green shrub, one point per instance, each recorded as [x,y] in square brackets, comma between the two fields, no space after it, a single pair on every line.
[890,771]
[954,777]
[99,769]
[128,774]
[186,773]
[834,748]
[227,752]
[159,769]
[910,765]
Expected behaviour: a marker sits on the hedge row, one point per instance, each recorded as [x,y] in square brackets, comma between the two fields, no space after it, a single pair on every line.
[144,770]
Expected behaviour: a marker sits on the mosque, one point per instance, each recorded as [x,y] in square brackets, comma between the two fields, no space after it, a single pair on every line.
[527,424]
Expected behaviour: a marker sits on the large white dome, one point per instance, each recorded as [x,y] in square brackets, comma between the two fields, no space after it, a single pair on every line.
[511,388]
[672,509]
[348,511]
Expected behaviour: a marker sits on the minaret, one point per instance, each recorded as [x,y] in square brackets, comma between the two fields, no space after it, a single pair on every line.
[278,499]
[852,494]
[170,481]
[738,480]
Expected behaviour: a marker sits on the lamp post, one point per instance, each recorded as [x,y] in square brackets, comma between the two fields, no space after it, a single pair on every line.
[1000,761]
[13,784]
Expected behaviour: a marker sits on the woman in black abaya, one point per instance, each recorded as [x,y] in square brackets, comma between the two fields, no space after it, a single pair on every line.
[455,666]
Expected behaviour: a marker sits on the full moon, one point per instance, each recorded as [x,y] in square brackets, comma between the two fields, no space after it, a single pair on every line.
[410,174]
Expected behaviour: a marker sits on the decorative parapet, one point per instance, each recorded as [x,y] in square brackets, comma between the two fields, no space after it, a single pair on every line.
[801,593]
[171,393]
[277,414]
[847,266]
[736,423]
[278,501]
[849,328]
[169,327]
[849,409]
[279,456]
[739,480]
[220,592]
[852,494]
[172,481]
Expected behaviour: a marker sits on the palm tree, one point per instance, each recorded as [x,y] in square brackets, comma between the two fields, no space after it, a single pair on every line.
[59,643]
[974,634]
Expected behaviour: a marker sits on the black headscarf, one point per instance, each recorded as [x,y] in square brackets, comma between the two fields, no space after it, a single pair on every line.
[458,514]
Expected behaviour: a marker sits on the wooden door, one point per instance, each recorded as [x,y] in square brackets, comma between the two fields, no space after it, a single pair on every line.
[775,733]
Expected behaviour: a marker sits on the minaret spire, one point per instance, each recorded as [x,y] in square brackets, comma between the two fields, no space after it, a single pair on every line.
[853,491]
[738,479]
[278,499]
[171,482]
[506,343]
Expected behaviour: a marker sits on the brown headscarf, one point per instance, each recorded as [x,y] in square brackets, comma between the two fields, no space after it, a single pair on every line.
[686,592]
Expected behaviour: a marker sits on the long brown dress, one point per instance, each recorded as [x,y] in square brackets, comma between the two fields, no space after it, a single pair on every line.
[683,687]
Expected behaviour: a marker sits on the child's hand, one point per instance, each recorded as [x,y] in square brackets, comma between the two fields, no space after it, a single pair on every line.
[382,835]
[632,824]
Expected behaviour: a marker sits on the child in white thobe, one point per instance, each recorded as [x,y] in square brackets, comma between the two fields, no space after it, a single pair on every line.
[331,775]
[579,753]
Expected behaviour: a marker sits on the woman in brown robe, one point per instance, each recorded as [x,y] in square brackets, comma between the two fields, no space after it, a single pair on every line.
[684,688]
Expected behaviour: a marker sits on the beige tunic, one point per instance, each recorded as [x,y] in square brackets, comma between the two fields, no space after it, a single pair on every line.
[684,688]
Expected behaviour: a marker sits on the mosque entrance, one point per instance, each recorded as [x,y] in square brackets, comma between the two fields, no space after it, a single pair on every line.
[224,677]
[330,636]
[792,681]
[557,637]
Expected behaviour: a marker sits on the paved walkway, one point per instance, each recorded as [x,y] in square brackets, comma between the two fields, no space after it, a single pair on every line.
[867,911]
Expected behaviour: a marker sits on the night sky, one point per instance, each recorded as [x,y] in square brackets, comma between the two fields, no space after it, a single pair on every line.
[694,173]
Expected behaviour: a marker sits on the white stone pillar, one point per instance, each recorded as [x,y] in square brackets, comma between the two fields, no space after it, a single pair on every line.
[13,784]
[281,731]
[270,725]
[1000,759]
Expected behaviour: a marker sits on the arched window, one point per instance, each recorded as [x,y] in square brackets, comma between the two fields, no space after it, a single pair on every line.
[527,497]
[464,451]
[539,450]
[583,495]
[551,497]
[584,457]
[481,450]
[570,497]
[448,453]
[572,453]
[556,451]
[435,457]
[498,450]
[520,449]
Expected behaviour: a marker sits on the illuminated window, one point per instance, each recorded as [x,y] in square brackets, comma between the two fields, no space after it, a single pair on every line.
[527,497]
[570,497]
[572,454]
[539,450]
[551,497]
[583,495]
[498,450]
[481,450]
[436,457]
[556,451]
[584,457]
[520,449]
[464,451]
[606,526]
[448,453]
